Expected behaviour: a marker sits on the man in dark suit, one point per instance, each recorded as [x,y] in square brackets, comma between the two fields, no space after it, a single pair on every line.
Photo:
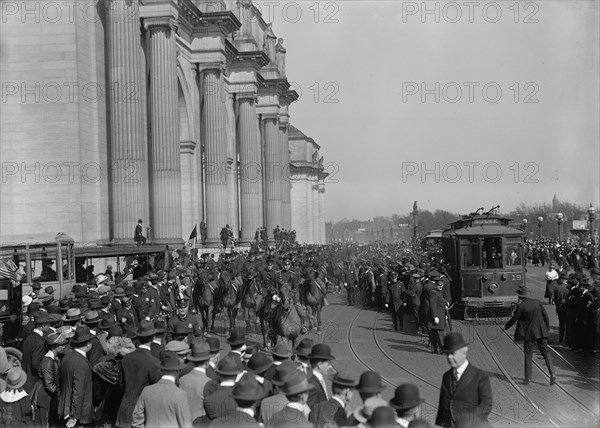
[296,389]
[75,401]
[466,390]
[217,401]
[247,392]
[139,369]
[34,349]
[532,327]
[320,361]
[333,411]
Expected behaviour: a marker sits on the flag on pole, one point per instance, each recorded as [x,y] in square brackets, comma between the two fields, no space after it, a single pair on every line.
[192,243]
[9,270]
[193,236]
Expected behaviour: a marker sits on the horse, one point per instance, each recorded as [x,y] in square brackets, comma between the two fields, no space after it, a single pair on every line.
[314,298]
[281,320]
[250,300]
[228,297]
[203,301]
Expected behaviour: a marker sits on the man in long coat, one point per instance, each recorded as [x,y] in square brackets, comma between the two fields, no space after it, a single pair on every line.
[532,328]
[75,400]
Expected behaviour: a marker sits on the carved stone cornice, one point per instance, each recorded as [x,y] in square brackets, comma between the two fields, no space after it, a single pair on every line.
[288,97]
[253,60]
[196,22]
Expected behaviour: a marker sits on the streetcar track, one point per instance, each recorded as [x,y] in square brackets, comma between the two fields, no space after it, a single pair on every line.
[410,372]
[419,376]
[510,379]
[368,366]
[547,376]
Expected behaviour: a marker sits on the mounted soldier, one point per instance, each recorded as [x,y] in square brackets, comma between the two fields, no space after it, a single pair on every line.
[288,276]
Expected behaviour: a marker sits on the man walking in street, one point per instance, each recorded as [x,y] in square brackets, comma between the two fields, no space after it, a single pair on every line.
[532,327]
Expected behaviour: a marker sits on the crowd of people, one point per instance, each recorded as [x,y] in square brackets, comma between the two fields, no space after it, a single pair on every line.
[130,350]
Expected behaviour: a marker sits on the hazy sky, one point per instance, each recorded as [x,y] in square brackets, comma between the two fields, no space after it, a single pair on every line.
[472,104]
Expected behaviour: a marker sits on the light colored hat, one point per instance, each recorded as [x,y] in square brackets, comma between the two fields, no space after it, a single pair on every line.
[27,300]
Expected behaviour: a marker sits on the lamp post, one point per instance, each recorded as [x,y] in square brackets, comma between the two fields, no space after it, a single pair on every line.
[591,216]
[559,220]
[540,219]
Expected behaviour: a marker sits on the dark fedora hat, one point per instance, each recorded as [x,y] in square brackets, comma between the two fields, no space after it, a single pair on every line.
[42,318]
[169,361]
[370,383]
[321,352]
[145,329]
[282,371]
[281,350]
[406,397]
[247,389]
[304,347]
[522,291]
[119,292]
[214,343]
[345,379]
[383,417]
[259,363]
[236,338]
[230,365]
[159,326]
[82,335]
[95,304]
[295,383]
[64,304]
[452,342]
[200,352]
[107,323]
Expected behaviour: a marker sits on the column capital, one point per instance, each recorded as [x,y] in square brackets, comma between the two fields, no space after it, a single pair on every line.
[270,116]
[162,22]
[248,96]
[219,67]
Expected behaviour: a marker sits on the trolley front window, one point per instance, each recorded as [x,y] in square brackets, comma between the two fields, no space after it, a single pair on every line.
[469,252]
[513,251]
[492,252]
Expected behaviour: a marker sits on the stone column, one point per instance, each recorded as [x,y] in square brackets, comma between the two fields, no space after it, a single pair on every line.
[309,209]
[273,177]
[165,166]
[189,216]
[213,121]
[286,209]
[128,150]
[315,210]
[231,170]
[321,197]
[250,168]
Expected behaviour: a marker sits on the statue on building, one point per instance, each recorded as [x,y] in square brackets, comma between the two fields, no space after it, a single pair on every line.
[321,162]
[280,56]
[315,157]
[269,42]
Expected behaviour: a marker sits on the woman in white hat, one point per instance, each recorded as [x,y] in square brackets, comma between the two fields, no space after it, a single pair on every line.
[15,404]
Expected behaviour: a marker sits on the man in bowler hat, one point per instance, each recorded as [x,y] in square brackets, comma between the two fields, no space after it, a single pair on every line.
[164,404]
[466,390]
[333,411]
[532,327]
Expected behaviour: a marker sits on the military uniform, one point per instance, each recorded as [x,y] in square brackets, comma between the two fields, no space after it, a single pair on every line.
[190,321]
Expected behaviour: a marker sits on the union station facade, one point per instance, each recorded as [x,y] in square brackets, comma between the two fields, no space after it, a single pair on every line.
[170,111]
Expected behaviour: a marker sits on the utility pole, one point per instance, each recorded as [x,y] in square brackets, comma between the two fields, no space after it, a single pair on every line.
[414,214]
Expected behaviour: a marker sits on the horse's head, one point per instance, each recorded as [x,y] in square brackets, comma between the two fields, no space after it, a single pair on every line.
[286,296]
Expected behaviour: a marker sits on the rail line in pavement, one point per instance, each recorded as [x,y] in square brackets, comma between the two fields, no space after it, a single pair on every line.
[543,371]
[406,370]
